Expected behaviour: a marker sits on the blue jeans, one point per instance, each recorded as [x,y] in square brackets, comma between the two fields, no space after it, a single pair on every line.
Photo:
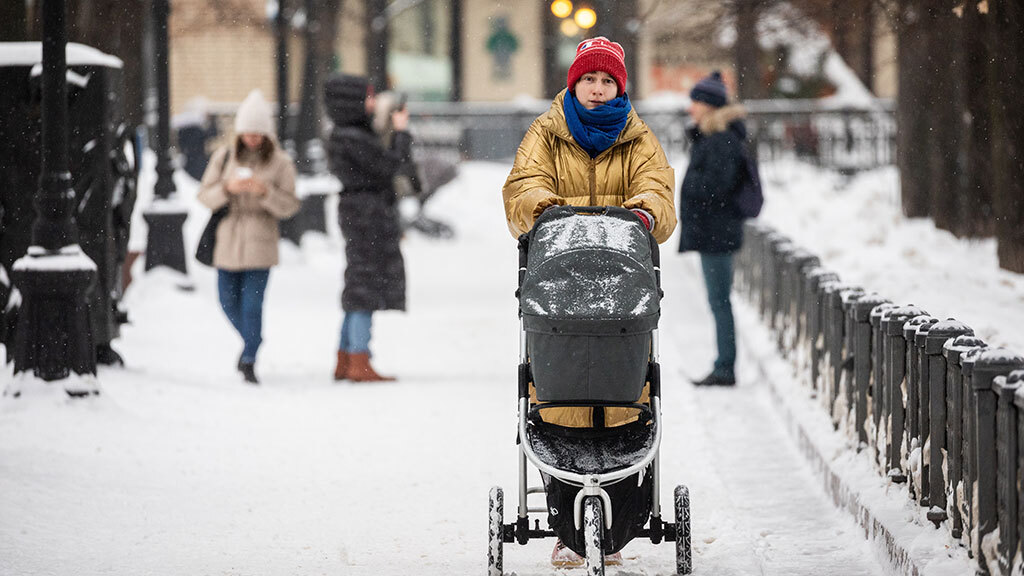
[355,332]
[717,270]
[241,297]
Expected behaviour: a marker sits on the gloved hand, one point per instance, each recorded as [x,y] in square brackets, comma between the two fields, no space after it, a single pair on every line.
[644,217]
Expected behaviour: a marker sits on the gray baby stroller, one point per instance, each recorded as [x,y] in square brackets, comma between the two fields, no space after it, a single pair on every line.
[589,302]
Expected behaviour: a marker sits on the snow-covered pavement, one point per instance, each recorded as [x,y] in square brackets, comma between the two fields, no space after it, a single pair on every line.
[180,468]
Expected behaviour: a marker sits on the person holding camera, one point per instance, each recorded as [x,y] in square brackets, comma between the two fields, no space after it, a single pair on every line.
[255,180]
[367,215]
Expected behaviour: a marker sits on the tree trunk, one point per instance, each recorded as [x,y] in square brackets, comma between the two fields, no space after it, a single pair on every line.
[976,200]
[13,21]
[944,113]
[748,69]
[1007,75]
[912,120]
[455,51]
[377,43]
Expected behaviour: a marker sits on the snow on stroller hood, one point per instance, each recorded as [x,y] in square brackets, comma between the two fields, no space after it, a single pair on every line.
[590,267]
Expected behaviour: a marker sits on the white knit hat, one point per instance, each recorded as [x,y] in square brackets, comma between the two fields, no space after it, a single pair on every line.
[254,116]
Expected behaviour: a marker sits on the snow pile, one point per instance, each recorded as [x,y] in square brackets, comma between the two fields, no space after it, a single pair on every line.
[857,228]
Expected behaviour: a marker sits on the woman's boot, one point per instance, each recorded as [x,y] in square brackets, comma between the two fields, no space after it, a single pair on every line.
[342,366]
[359,370]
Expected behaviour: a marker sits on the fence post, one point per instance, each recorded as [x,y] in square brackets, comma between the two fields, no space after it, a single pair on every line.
[879,390]
[860,313]
[895,362]
[1006,484]
[1017,549]
[803,261]
[776,319]
[831,345]
[914,392]
[954,351]
[812,311]
[772,240]
[990,363]
[842,303]
[936,419]
[970,455]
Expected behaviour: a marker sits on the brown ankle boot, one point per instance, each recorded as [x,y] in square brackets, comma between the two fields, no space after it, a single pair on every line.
[342,366]
[359,370]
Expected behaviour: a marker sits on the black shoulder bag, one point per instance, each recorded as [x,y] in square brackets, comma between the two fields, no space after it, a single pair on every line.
[204,251]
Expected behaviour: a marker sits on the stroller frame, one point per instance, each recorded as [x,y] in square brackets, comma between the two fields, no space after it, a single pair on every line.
[591,497]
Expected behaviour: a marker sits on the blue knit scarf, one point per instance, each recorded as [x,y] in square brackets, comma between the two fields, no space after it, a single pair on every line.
[596,130]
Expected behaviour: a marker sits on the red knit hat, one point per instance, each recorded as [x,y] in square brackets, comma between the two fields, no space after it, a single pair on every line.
[599,54]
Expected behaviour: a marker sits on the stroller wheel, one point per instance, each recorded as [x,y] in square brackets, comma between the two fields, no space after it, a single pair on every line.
[593,535]
[684,554]
[495,531]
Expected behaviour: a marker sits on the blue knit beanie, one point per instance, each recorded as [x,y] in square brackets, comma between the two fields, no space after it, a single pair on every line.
[710,90]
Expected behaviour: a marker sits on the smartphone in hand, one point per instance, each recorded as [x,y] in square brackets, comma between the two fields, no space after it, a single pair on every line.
[243,173]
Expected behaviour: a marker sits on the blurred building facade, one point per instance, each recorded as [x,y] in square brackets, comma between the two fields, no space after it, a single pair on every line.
[509,49]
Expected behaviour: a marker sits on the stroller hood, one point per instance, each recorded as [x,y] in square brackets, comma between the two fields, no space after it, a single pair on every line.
[590,271]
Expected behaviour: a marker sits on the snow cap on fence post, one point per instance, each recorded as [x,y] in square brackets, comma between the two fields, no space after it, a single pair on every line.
[955,351]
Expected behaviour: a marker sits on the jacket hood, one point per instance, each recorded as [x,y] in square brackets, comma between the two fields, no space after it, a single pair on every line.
[554,121]
[345,100]
[720,119]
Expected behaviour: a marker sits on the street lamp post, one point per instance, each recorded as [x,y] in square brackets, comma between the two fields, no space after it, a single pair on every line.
[165,217]
[53,336]
[306,131]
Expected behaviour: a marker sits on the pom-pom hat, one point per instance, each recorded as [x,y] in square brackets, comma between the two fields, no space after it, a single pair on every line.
[599,54]
[710,90]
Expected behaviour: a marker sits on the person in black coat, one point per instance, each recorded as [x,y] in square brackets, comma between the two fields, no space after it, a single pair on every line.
[709,220]
[374,271]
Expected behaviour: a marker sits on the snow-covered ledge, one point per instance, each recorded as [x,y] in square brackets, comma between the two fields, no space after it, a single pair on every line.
[67,259]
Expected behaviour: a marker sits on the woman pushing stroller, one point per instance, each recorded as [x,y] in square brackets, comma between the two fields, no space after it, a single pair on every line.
[591,149]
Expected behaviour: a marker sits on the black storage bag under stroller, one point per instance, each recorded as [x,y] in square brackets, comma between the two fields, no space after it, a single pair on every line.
[590,300]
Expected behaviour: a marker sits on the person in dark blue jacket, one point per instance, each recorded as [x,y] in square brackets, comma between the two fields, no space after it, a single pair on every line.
[709,219]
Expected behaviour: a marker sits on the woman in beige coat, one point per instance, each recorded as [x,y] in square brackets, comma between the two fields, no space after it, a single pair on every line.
[255,179]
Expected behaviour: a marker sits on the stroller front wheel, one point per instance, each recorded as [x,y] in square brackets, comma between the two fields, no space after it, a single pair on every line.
[593,535]
[684,553]
[495,539]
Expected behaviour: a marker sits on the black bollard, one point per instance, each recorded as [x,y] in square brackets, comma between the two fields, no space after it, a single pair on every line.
[862,363]
[1017,376]
[969,475]
[1008,443]
[912,439]
[879,390]
[935,421]
[801,263]
[991,363]
[895,362]
[829,347]
[842,371]
[954,351]
[813,338]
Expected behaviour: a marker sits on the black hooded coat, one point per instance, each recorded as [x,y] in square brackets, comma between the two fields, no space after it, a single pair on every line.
[375,271]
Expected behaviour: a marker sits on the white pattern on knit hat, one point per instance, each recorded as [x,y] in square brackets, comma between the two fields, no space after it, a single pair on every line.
[254,116]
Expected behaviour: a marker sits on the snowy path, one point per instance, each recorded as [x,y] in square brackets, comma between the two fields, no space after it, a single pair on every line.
[181,469]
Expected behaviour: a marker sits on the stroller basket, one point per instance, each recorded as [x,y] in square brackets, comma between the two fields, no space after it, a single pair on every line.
[589,300]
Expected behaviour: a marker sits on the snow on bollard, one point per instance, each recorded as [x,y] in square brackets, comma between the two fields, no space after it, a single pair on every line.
[911,451]
[954,351]
[896,369]
[991,363]
[860,314]
[935,420]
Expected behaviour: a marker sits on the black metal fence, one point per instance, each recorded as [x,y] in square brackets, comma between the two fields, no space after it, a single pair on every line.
[846,140]
[933,405]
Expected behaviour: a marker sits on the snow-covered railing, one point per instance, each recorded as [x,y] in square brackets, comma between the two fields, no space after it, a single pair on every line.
[933,405]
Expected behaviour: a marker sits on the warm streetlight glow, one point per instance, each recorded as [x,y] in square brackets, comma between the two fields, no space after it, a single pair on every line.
[569,28]
[561,8]
[585,18]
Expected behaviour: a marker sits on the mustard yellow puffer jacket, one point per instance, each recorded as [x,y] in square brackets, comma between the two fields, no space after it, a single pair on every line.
[551,168]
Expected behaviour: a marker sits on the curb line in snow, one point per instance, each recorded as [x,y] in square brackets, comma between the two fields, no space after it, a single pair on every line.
[844,497]
[910,548]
